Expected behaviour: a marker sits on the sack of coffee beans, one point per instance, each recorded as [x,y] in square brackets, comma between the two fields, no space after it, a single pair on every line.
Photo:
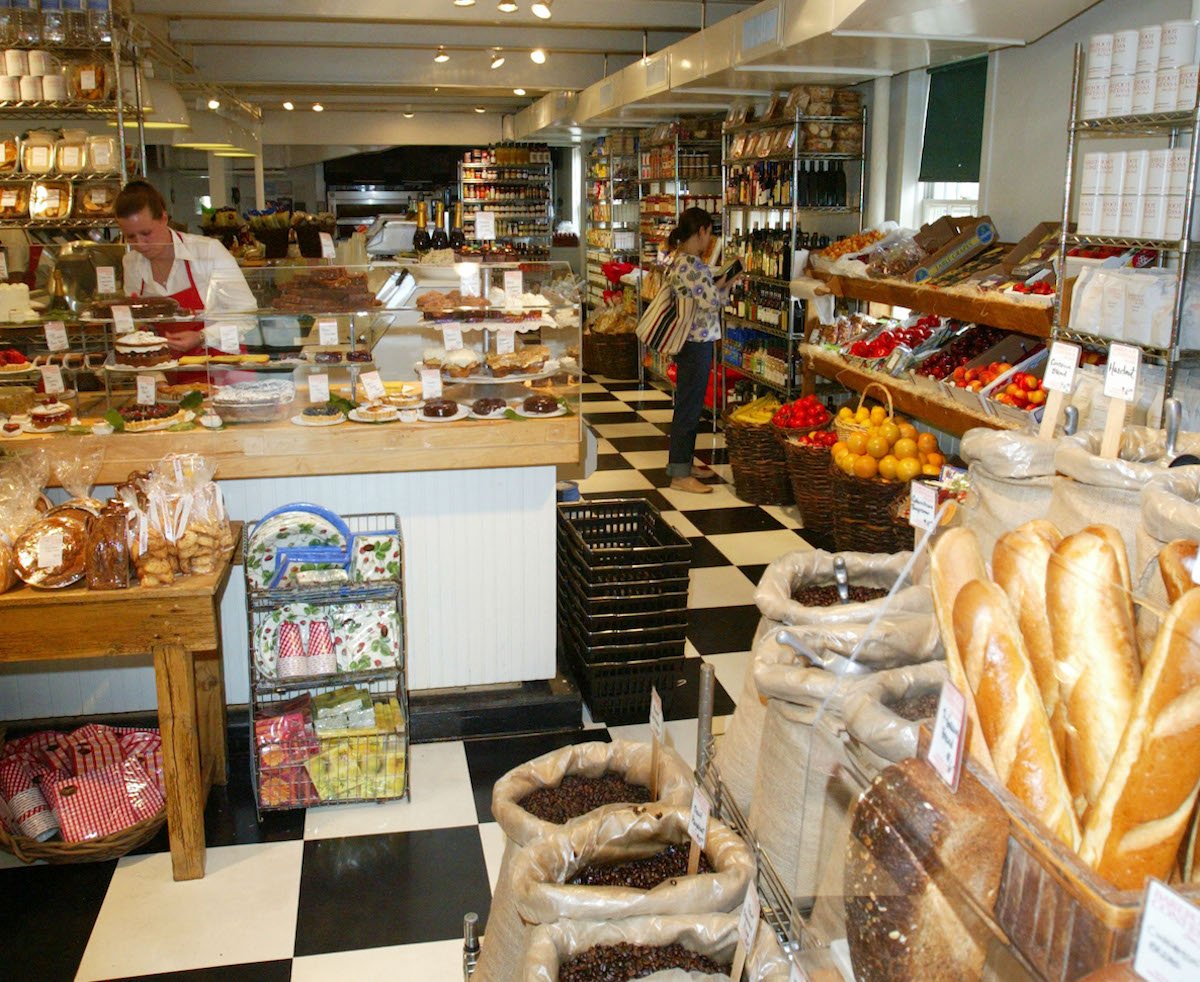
[736,755]
[540,795]
[575,949]
[884,711]
[649,844]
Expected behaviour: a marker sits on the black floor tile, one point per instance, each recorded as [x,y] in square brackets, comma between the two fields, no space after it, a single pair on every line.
[636,402]
[48,913]
[619,386]
[684,701]
[650,494]
[490,760]
[754,572]
[612,462]
[722,521]
[713,630]
[605,419]
[657,476]
[626,444]
[595,397]
[818,540]
[720,455]
[369,891]
[276,971]
[704,553]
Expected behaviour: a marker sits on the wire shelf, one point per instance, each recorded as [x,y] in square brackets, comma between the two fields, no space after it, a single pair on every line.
[1125,242]
[1143,123]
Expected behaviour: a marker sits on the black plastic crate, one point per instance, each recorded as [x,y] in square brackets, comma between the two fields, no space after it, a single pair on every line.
[620,532]
[619,693]
[631,591]
[622,646]
[652,603]
[647,575]
[591,622]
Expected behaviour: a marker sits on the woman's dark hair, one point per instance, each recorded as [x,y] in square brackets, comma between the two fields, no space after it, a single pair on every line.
[692,220]
[137,195]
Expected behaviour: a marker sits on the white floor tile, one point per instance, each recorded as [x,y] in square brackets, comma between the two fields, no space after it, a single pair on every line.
[720,586]
[603,446]
[748,548]
[610,430]
[657,415]
[731,668]
[430,960]
[689,650]
[600,407]
[679,522]
[441,798]
[723,471]
[592,387]
[721,497]
[681,734]
[643,395]
[624,480]
[243,910]
[787,515]
[645,460]
[493,839]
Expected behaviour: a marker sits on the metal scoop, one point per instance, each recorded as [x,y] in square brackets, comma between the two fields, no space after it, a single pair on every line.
[842,579]
[1173,413]
[837,664]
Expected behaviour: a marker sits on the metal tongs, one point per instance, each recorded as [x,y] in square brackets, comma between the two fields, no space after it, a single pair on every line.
[842,579]
[837,664]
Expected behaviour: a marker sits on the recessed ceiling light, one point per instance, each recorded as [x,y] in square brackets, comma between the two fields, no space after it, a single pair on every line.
[537,56]
[497,58]
[288,105]
[518,91]
[441,55]
[464,3]
[214,103]
[480,109]
[506,7]
[541,9]
[318,108]
[408,115]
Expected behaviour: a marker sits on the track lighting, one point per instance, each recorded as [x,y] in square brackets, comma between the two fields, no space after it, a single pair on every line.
[441,55]
[542,10]
[497,58]
[288,106]
[537,56]
[318,108]
[518,91]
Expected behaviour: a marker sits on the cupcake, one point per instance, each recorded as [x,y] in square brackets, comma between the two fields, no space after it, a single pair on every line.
[460,363]
[50,414]
[434,357]
[140,349]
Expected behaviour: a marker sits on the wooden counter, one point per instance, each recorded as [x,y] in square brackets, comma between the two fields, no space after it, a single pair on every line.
[250,450]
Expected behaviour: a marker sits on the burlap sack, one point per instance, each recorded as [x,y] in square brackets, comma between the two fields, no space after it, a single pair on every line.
[1170,511]
[736,756]
[714,935]
[1011,475]
[876,731]
[500,961]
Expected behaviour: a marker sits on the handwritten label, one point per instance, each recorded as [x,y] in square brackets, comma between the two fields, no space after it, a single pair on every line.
[50,550]
[513,289]
[922,509]
[506,342]
[468,280]
[327,249]
[1168,944]
[56,336]
[452,338]
[106,279]
[698,821]
[1060,367]
[8,199]
[431,383]
[327,331]
[748,920]
[230,341]
[372,385]
[147,390]
[122,319]
[656,715]
[485,225]
[318,388]
[52,380]
[69,159]
[949,735]
[1121,373]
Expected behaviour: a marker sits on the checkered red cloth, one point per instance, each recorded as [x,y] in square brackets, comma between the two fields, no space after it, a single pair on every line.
[145,746]
[93,748]
[46,752]
[100,803]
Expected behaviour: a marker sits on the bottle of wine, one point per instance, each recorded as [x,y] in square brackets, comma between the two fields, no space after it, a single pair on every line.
[457,239]
[440,240]
[421,240]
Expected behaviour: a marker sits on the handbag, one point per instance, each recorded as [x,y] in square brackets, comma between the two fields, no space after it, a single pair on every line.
[665,325]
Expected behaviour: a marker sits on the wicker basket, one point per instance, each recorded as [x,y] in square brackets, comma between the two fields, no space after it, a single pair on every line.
[862,518]
[613,356]
[845,428]
[760,474]
[812,484]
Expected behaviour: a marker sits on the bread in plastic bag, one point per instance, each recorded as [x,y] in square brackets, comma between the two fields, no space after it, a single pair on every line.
[714,935]
[108,548]
[872,722]
[76,465]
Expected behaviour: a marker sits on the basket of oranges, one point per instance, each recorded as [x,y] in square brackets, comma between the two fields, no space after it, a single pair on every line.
[848,421]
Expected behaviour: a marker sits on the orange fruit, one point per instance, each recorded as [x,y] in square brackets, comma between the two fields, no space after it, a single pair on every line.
[877,447]
[838,449]
[935,459]
[905,448]
[927,442]
[857,443]
[929,470]
[907,431]
[847,462]
[878,415]
[890,432]
[908,468]
[865,466]
[887,467]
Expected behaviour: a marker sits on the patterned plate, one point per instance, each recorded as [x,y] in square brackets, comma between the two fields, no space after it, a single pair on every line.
[291,527]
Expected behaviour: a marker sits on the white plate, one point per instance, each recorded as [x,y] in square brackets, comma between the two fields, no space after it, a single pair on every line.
[303,420]
[162,366]
[560,411]
[359,419]
[498,414]
[463,413]
[30,428]
[14,370]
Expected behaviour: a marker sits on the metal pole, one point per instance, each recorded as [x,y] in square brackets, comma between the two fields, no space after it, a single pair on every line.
[1185,257]
[139,106]
[1072,136]
[704,717]
[880,120]
[470,944]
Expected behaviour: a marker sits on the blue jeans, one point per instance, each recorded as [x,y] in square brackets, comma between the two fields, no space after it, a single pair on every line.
[692,363]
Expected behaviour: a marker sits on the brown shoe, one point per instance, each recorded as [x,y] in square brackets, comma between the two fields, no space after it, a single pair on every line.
[703,473]
[690,485]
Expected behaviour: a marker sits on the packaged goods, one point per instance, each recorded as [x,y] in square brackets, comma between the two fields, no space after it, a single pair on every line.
[108,549]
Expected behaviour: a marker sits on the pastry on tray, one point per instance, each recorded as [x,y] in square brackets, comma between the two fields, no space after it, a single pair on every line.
[440,408]
[50,414]
[488,406]
[461,363]
[141,349]
[540,404]
[434,357]
[377,412]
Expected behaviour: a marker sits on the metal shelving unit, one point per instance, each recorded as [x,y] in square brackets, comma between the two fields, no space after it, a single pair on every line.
[1177,253]
[611,189]
[533,211]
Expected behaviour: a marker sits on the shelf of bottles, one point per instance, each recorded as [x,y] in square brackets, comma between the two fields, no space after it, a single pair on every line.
[611,208]
[785,190]
[512,182]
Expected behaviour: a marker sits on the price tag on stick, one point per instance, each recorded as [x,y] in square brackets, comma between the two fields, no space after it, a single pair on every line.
[106,280]
[1120,388]
[327,249]
[656,739]
[56,336]
[747,930]
[147,390]
[923,502]
[1059,378]
[452,338]
[506,342]
[949,735]
[1168,941]
[318,388]
[122,319]
[372,385]
[327,331]
[513,289]
[698,828]
[52,380]
[431,383]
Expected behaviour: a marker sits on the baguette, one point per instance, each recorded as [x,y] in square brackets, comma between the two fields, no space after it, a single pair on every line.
[1014,721]
[954,561]
[1175,564]
[1019,562]
[1191,857]
[1135,828]
[1117,544]
[1095,659]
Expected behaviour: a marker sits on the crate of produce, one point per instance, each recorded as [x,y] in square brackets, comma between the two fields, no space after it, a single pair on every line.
[862,520]
[619,693]
[619,532]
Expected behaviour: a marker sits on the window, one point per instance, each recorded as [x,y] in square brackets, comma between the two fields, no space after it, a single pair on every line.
[954,198]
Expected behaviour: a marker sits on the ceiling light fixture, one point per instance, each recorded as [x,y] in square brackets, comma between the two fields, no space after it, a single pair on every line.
[497,58]
[288,105]
[542,9]
[518,91]
[408,115]
[214,103]
[464,3]
[441,55]
[506,7]
[537,56]
[480,109]
[318,108]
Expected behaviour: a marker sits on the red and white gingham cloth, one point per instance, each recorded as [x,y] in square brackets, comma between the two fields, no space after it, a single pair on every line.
[93,748]
[99,803]
[26,806]
[46,752]
[145,746]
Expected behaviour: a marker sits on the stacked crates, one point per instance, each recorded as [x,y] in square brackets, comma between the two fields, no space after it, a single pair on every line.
[622,604]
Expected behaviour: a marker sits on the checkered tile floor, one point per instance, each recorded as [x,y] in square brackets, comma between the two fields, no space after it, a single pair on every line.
[370,892]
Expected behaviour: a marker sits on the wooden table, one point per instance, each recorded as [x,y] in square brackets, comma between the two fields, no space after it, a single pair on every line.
[180,626]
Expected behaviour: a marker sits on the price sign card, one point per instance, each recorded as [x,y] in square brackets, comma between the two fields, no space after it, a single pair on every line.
[327,331]
[949,735]
[1168,944]
[56,336]
[431,383]
[52,380]
[318,388]
[327,250]
[1121,374]
[106,279]
[1060,367]
[50,550]
[147,390]
[122,319]
[229,340]
[698,821]
[468,279]
[485,226]
[506,342]
[922,510]
[513,289]
[372,385]
[748,919]
[452,338]
[656,715]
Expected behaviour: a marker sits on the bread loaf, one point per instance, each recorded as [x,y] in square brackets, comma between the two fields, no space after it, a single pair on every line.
[1191,854]
[954,561]
[1117,543]
[1011,713]
[1175,563]
[1137,822]
[1095,657]
[1019,561]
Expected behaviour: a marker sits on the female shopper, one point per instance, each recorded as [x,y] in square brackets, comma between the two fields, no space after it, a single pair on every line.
[689,276]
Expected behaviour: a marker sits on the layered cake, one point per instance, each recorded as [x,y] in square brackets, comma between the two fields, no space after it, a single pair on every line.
[141,349]
[460,363]
[50,414]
